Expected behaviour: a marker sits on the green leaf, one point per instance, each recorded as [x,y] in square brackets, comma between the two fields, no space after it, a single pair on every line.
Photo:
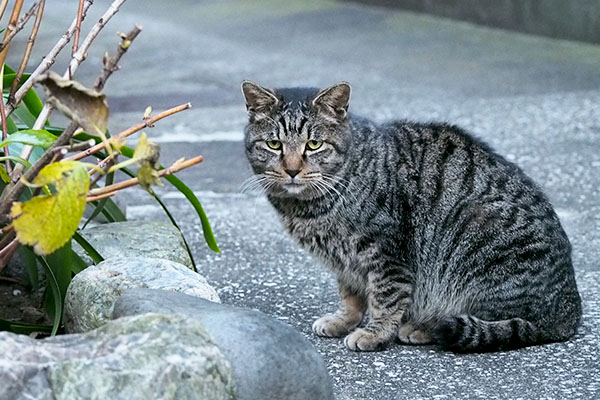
[41,138]
[166,210]
[25,116]
[61,262]
[23,328]
[11,127]
[48,222]
[209,237]
[89,249]
[78,263]
[3,174]
[30,261]
[53,303]
[16,159]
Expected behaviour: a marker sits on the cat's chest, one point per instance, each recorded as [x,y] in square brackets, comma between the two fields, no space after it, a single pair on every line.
[328,238]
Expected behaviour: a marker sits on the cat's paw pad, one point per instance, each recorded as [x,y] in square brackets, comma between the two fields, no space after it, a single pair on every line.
[408,334]
[363,340]
[332,326]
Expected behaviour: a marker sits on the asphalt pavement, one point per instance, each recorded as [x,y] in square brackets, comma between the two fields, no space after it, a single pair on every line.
[535,100]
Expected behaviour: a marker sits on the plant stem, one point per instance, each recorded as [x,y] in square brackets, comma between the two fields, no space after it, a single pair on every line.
[7,252]
[30,42]
[15,26]
[76,60]
[77,27]
[46,63]
[175,167]
[148,122]
[3,7]
[110,64]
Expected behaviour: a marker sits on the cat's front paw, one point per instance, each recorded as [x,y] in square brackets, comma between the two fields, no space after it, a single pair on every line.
[333,325]
[363,340]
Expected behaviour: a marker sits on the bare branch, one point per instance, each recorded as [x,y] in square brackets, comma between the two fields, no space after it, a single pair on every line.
[175,167]
[77,28]
[3,7]
[25,59]
[7,252]
[46,63]
[16,27]
[130,131]
[76,60]
[111,63]
[4,127]
[81,53]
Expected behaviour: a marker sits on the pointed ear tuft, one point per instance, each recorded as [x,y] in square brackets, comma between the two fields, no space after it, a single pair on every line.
[259,100]
[333,101]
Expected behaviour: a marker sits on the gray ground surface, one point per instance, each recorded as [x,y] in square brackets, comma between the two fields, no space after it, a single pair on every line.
[533,99]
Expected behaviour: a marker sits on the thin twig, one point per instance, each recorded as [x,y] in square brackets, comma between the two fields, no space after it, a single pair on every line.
[3,7]
[177,166]
[81,53]
[16,26]
[77,28]
[100,197]
[4,127]
[30,42]
[148,122]
[110,64]
[46,63]
[5,229]
[76,60]
[7,252]
[7,238]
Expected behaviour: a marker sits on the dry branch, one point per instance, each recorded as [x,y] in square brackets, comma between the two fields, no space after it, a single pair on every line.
[148,122]
[76,60]
[15,26]
[77,27]
[175,167]
[27,54]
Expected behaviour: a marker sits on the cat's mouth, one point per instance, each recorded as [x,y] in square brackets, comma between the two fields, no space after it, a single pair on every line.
[294,187]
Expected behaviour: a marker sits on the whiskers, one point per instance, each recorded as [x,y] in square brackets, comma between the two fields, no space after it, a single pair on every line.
[257,186]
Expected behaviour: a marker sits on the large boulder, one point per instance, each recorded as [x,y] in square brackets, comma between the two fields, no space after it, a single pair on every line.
[150,356]
[154,239]
[92,293]
[270,360]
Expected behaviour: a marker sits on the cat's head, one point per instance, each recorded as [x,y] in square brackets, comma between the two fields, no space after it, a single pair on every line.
[296,138]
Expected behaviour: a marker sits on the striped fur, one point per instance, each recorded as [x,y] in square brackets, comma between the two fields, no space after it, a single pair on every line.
[438,237]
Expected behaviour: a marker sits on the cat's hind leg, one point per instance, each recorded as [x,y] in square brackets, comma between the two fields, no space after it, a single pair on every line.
[388,298]
[345,319]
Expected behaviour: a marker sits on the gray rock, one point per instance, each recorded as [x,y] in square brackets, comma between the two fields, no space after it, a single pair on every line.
[136,239]
[150,356]
[270,360]
[93,292]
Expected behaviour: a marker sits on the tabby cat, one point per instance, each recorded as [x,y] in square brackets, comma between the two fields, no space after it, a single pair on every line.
[438,237]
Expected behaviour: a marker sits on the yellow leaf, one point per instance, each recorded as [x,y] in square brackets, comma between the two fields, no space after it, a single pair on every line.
[47,222]
[4,175]
[147,155]
[148,176]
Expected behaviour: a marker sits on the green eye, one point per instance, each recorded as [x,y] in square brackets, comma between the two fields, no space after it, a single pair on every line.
[274,144]
[314,144]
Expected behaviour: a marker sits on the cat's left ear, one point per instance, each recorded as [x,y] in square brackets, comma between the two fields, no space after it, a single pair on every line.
[260,101]
[334,100]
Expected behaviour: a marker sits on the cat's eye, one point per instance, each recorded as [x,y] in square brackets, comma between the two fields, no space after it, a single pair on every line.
[314,144]
[274,144]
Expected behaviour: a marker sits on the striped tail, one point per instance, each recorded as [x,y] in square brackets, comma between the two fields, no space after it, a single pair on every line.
[466,333]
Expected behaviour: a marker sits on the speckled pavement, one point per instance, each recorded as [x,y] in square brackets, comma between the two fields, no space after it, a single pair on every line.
[535,100]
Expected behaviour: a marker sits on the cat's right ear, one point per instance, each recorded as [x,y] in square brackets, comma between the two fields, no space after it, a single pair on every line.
[260,101]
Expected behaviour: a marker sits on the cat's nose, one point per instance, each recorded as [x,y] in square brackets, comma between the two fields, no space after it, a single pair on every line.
[292,172]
